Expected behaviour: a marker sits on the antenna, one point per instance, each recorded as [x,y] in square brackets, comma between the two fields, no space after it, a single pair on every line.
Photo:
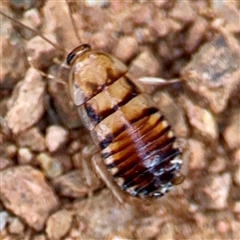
[32,30]
[70,10]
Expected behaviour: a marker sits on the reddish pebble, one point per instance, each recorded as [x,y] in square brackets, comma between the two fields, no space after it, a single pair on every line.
[56,136]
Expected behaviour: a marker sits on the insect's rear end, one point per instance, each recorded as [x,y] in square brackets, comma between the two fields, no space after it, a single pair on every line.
[137,144]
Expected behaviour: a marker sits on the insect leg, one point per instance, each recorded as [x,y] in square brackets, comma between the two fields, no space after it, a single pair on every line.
[183,145]
[102,172]
[87,153]
[158,81]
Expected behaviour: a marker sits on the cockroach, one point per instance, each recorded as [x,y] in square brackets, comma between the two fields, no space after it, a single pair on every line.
[137,144]
[136,141]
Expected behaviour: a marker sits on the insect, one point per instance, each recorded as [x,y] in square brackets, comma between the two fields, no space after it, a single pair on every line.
[136,142]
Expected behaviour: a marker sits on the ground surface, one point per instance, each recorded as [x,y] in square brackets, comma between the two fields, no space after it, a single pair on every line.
[44,193]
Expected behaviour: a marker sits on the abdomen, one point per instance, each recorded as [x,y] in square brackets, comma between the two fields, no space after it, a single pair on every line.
[136,142]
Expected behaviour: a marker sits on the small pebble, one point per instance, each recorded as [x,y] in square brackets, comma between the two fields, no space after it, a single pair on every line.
[39,237]
[145,64]
[213,73]
[236,207]
[76,159]
[236,157]
[183,12]
[126,48]
[5,162]
[149,229]
[33,139]
[66,110]
[11,53]
[222,227]
[173,113]
[201,119]
[29,101]
[74,146]
[11,150]
[160,26]
[212,192]
[196,34]
[33,16]
[236,175]
[56,136]
[64,160]
[99,40]
[231,15]
[73,184]
[167,231]
[218,165]
[3,219]
[51,167]
[200,219]
[25,156]
[16,227]
[231,133]
[59,224]
[41,53]
[25,192]
[197,157]
[142,15]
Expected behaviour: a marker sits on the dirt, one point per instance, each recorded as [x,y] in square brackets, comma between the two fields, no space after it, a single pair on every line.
[47,189]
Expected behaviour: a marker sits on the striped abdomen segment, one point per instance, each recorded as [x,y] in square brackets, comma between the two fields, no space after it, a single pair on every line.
[136,141]
[137,144]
